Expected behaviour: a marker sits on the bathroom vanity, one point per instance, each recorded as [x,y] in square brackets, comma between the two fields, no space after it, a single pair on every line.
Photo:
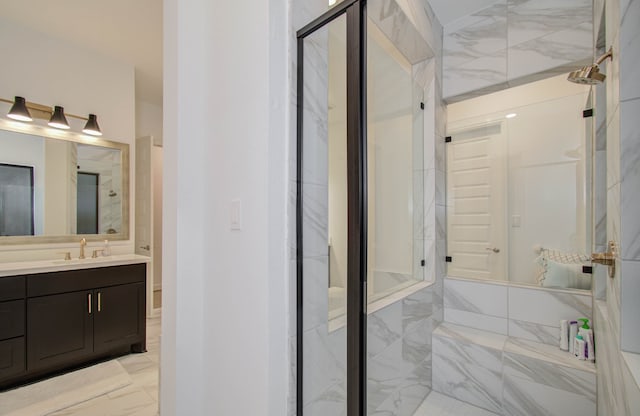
[54,317]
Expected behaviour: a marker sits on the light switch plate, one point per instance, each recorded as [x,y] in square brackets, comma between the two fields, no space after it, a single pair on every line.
[235,219]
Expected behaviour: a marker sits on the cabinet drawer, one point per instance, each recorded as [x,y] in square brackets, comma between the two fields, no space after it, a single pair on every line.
[84,279]
[12,288]
[11,319]
[12,361]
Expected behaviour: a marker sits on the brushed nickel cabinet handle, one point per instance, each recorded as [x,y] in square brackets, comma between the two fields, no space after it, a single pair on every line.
[89,302]
[99,301]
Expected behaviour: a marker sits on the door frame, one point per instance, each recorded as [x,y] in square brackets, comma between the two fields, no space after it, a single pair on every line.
[355,11]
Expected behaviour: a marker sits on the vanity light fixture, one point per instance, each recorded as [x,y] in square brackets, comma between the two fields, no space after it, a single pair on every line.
[19,110]
[22,110]
[58,120]
[92,127]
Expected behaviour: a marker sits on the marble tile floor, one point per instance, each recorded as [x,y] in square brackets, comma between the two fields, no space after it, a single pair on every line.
[437,404]
[140,398]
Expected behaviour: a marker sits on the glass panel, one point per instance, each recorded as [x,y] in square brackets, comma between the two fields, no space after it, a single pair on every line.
[395,124]
[517,186]
[399,310]
[324,227]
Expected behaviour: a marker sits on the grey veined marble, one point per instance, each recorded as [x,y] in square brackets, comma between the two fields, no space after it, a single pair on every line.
[514,41]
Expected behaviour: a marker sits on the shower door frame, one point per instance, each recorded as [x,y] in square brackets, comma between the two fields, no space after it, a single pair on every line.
[355,11]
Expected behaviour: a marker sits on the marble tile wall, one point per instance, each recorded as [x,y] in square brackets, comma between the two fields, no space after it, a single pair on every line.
[510,376]
[515,311]
[629,87]
[612,389]
[399,355]
[515,41]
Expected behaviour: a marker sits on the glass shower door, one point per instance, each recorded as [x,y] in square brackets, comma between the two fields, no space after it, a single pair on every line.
[322,262]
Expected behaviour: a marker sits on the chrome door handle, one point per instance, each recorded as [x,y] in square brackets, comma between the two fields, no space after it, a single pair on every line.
[147,247]
[494,249]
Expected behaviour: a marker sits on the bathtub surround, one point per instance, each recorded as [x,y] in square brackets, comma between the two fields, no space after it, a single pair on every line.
[514,42]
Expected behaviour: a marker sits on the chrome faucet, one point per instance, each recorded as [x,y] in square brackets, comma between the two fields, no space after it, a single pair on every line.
[83,243]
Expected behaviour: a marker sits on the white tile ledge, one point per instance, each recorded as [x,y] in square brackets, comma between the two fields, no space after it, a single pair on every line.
[511,345]
[522,285]
[547,353]
[633,362]
[45,266]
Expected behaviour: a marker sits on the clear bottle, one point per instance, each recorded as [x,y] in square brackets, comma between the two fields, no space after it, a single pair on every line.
[106,250]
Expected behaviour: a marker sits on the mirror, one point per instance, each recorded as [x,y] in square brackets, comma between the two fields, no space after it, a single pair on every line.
[519,185]
[59,186]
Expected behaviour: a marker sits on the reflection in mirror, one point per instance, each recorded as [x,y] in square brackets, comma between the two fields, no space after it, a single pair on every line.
[518,186]
[56,185]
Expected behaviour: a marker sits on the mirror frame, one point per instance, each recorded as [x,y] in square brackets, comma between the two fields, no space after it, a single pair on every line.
[51,133]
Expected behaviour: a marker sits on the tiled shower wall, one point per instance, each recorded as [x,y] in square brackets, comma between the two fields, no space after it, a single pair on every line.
[513,310]
[512,42]
[616,318]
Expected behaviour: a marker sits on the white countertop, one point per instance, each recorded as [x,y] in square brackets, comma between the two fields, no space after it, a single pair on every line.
[45,266]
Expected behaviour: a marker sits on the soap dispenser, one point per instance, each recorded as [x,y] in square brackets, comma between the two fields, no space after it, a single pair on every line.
[587,335]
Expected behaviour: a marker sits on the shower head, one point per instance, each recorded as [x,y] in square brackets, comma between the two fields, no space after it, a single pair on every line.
[590,75]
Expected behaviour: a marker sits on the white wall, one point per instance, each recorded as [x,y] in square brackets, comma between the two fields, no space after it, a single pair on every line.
[60,187]
[225,138]
[149,121]
[49,71]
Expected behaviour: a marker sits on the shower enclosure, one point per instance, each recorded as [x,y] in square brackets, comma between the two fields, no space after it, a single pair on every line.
[362,70]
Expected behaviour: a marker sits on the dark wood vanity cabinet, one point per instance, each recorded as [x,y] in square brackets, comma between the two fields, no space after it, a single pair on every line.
[12,318]
[74,317]
[113,326]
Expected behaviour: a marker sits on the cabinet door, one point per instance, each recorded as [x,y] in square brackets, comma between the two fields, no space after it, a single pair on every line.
[59,330]
[119,320]
[11,358]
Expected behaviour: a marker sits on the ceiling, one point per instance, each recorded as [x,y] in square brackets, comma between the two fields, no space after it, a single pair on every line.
[128,31]
[131,30]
